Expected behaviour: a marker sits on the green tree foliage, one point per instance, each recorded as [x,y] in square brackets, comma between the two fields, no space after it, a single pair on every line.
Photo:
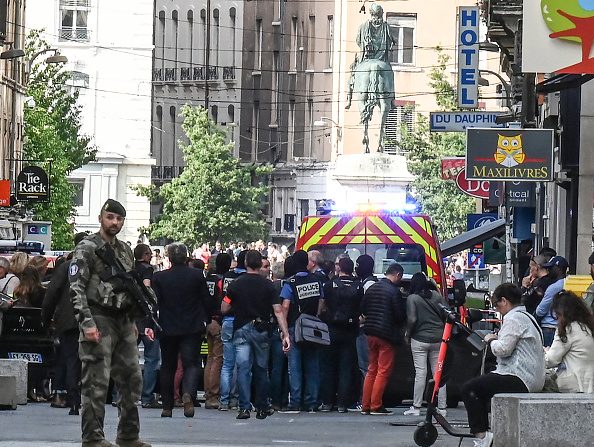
[441,200]
[214,197]
[53,136]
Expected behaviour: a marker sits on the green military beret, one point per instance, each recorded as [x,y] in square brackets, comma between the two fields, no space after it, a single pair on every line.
[113,206]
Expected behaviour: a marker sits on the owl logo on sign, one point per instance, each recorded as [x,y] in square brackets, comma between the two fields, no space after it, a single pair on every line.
[509,151]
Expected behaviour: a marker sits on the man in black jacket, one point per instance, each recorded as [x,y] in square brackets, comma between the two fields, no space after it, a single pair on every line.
[342,301]
[384,310]
[57,308]
[182,295]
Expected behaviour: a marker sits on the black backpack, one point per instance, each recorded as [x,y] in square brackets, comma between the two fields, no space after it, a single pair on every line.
[343,304]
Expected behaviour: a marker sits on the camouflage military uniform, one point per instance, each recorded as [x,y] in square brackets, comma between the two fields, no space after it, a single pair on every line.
[98,305]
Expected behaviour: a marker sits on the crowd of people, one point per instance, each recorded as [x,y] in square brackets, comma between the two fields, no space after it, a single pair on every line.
[251,303]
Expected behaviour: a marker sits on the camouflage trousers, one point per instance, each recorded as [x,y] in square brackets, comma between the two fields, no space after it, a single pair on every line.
[115,356]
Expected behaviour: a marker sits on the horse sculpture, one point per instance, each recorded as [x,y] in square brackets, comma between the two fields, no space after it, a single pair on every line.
[372,77]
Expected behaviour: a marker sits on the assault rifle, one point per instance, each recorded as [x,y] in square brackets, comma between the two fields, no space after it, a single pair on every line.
[127,282]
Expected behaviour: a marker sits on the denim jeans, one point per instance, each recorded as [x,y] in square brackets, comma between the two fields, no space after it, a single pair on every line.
[188,348]
[252,350]
[279,373]
[304,366]
[337,366]
[420,352]
[548,334]
[227,385]
[152,357]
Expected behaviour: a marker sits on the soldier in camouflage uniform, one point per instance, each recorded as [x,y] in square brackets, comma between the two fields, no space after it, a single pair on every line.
[107,342]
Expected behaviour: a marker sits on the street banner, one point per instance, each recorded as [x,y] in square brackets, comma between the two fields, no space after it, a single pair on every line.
[557,36]
[460,121]
[468,56]
[474,188]
[476,257]
[451,166]
[509,154]
[4,192]
[519,194]
[32,185]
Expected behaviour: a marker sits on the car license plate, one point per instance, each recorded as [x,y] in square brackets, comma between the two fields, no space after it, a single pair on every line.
[31,357]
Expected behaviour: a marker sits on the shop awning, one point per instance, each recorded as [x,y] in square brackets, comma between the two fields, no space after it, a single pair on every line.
[473,237]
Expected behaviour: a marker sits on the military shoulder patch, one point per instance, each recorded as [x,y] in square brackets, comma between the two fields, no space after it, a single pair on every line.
[74,270]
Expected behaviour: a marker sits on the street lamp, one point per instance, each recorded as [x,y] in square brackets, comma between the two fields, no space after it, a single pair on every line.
[323,122]
[56,58]
[485,82]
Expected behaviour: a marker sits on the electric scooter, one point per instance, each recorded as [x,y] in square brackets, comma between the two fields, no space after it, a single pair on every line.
[425,434]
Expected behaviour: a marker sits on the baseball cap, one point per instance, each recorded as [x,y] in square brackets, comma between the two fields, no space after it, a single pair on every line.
[558,261]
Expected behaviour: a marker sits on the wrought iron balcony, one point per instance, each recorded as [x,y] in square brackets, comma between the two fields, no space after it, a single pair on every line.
[198,74]
[170,74]
[75,34]
[156,172]
[213,73]
[168,172]
[185,74]
[228,73]
[157,74]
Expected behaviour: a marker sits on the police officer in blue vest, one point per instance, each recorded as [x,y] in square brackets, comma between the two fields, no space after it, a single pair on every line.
[303,293]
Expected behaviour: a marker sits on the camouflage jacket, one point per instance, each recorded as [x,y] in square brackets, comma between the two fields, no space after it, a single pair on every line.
[86,287]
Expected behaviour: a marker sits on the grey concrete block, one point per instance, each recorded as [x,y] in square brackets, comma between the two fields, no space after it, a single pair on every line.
[8,393]
[19,370]
[547,419]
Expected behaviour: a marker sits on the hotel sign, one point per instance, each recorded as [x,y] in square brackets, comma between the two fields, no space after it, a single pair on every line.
[468,56]
[509,154]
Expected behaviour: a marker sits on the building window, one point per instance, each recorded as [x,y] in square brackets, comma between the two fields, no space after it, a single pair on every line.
[161,44]
[310,127]
[73,19]
[275,87]
[294,44]
[258,43]
[79,189]
[255,130]
[304,206]
[231,113]
[158,134]
[214,113]
[311,50]
[172,116]
[291,131]
[330,42]
[402,27]
[203,34]
[232,14]
[400,119]
[174,18]
[190,37]
[216,37]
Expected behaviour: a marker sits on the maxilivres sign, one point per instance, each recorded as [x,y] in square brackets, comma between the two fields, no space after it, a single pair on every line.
[32,185]
[468,56]
[509,154]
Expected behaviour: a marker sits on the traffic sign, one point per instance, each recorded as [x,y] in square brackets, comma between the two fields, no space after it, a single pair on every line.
[460,121]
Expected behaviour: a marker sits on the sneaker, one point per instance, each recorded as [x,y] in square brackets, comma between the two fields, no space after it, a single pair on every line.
[312,410]
[382,411]
[290,410]
[486,441]
[224,407]
[188,405]
[343,410]
[243,414]
[412,411]
[233,404]
[442,411]
[355,408]
[326,408]
[365,412]
[263,414]
[152,404]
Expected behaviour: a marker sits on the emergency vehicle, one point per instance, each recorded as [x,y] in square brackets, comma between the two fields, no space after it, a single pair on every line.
[387,236]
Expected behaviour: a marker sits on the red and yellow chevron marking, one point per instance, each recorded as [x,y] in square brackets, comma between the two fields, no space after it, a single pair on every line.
[373,229]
